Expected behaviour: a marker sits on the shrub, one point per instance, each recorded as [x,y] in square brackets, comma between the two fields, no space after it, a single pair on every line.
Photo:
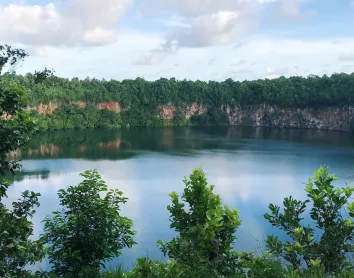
[332,214]
[206,228]
[89,230]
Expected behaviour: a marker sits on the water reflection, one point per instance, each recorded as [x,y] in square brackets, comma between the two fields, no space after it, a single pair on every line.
[249,167]
[124,144]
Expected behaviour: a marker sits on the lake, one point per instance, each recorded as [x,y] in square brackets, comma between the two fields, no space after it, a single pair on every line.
[250,168]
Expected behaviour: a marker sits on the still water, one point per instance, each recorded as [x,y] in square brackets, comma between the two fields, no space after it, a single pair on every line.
[250,168]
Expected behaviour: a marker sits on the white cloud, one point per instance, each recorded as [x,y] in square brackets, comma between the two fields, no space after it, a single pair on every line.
[64,23]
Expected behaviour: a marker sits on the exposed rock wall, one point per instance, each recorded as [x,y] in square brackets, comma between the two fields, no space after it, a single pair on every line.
[331,118]
[167,112]
[50,107]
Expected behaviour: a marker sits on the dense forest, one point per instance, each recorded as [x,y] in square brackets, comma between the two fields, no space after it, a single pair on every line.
[140,99]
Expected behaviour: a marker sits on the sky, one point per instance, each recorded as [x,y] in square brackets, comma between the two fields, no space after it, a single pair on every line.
[184,39]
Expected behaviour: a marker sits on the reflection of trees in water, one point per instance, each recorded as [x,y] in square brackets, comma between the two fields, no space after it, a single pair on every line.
[126,143]
[23,175]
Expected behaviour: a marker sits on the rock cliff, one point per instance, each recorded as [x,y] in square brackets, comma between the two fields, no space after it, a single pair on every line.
[330,118]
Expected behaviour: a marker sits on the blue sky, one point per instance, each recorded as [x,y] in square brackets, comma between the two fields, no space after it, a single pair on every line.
[192,39]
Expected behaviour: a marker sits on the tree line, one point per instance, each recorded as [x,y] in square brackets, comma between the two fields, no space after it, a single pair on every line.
[296,92]
[140,99]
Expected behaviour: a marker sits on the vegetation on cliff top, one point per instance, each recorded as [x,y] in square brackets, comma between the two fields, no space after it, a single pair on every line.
[296,92]
[140,100]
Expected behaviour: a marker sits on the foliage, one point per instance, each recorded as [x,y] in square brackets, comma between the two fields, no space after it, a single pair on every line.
[70,116]
[206,228]
[41,76]
[15,124]
[179,118]
[332,213]
[265,266]
[16,250]
[89,230]
[140,99]
[10,56]
[15,127]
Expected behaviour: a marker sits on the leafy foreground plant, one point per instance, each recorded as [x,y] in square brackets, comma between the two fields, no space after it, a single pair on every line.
[89,230]
[16,249]
[332,213]
[206,228]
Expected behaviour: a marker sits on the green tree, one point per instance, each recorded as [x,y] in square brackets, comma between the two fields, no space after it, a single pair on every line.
[16,249]
[332,214]
[206,228]
[179,118]
[89,230]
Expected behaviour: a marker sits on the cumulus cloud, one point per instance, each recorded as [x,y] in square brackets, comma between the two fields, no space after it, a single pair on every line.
[204,23]
[69,23]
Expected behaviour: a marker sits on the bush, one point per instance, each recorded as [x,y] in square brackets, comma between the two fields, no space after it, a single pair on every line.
[16,249]
[89,230]
[334,227]
[206,228]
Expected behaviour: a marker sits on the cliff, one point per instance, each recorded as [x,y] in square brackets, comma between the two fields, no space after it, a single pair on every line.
[330,118]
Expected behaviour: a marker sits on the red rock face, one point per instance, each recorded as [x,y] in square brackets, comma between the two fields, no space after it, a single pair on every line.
[49,108]
[45,108]
[112,106]
[331,118]
[167,112]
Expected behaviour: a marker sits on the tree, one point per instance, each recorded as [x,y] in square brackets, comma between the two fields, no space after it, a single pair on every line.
[15,127]
[179,118]
[11,57]
[89,230]
[40,76]
[206,228]
[332,213]
[16,249]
